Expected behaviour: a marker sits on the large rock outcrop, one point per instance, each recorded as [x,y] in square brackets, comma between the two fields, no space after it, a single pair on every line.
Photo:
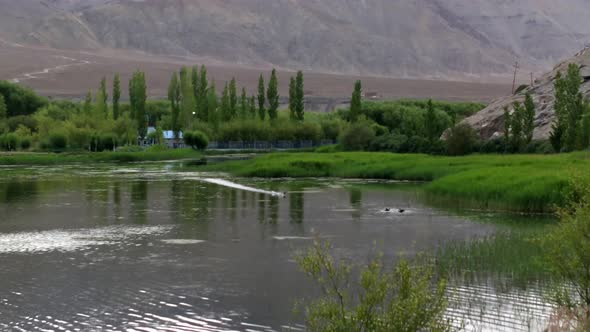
[490,121]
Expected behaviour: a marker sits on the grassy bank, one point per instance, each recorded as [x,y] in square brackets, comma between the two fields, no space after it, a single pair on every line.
[96,157]
[532,183]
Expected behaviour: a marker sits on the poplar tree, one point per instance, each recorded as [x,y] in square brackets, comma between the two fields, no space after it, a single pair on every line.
[516,134]
[299,97]
[244,104]
[356,101]
[3,108]
[212,105]
[569,108]
[252,110]
[88,103]
[132,96]
[233,99]
[261,98]
[528,118]
[102,98]
[273,95]
[140,93]
[292,99]
[203,98]
[430,122]
[116,96]
[225,104]
[196,81]
[188,98]
[174,98]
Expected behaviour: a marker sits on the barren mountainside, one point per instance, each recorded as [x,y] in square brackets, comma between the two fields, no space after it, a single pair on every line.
[422,38]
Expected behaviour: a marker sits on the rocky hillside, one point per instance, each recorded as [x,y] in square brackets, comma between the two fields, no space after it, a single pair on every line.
[490,121]
[423,38]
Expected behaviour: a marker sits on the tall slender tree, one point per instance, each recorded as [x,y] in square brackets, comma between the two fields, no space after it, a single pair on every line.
[292,99]
[299,97]
[132,96]
[212,105]
[569,108]
[528,125]
[116,96]
[516,128]
[139,93]
[233,98]
[252,109]
[102,98]
[174,96]
[273,95]
[430,122]
[188,98]
[261,98]
[203,98]
[244,104]
[88,103]
[3,108]
[356,101]
[226,104]
[196,81]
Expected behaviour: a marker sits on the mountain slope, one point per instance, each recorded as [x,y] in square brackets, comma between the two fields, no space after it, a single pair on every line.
[489,122]
[423,38]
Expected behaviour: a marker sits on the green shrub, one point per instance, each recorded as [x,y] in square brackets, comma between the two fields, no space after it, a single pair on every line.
[57,141]
[307,132]
[9,142]
[330,129]
[391,143]
[21,120]
[107,142]
[196,139]
[462,140]
[130,148]
[357,137]
[25,143]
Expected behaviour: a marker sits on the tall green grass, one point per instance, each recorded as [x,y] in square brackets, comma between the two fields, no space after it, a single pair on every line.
[532,183]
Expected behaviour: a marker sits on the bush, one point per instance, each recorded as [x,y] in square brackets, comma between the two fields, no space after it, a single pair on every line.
[57,142]
[357,137]
[462,140]
[495,145]
[330,129]
[25,143]
[391,143]
[196,139]
[8,142]
[307,132]
[107,142]
[21,120]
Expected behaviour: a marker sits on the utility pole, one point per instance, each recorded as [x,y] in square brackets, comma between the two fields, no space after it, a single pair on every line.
[516,66]
[532,81]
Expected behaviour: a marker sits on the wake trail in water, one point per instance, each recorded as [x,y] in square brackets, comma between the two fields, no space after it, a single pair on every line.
[234,185]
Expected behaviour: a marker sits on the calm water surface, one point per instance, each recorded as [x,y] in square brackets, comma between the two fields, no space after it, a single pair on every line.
[153,248]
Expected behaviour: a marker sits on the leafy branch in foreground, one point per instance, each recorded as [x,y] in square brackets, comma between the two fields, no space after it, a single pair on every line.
[407,298]
[568,254]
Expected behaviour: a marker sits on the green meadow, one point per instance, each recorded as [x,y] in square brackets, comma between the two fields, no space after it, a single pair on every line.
[527,183]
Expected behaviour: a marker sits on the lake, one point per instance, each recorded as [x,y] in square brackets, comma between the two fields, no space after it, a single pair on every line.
[157,247]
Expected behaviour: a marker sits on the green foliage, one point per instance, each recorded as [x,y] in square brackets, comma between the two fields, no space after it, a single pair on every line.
[299,97]
[226,112]
[20,100]
[251,130]
[569,110]
[102,99]
[273,96]
[138,98]
[3,108]
[516,128]
[116,96]
[358,136]
[461,140]
[292,99]
[356,102]
[244,106]
[233,99]
[407,298]
[57,141]
[187,104]
[174,97]
[261,98]
[8,142]
[203,98]
[431,122]
[212,105]
[196,139]
[568,252]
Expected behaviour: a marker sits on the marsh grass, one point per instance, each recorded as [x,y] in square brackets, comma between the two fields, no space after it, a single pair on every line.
[531,183]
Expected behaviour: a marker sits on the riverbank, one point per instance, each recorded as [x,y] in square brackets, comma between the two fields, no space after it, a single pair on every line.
[31,158]
[528,183]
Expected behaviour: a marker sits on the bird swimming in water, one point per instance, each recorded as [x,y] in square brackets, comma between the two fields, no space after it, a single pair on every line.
[401,210]
[387,209]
